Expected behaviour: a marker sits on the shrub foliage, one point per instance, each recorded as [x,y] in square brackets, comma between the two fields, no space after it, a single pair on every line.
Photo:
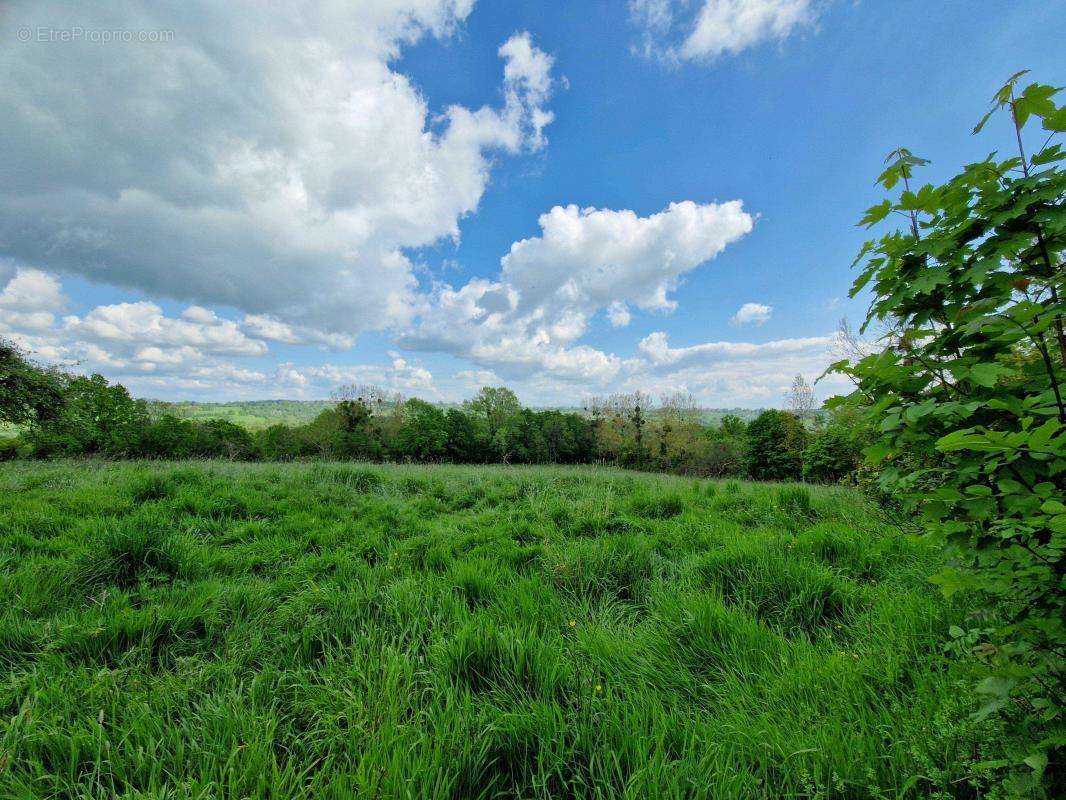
[968,393]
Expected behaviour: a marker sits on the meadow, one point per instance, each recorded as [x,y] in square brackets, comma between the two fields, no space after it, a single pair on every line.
[213,629]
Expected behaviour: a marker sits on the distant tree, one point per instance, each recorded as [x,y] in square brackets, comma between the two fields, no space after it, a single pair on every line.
[168,437]
[520,439]
[28,393]
[495,405]
[218,438]
[830,456]
[94,418]
[423,432]
[375,397]
[732,425]
[801,397]
[355,414]
[491,409]
[637,419]
[463,445]
[278,443]
[775,444]
[679,408]
[558,436]
[723,456]
[323,437]
[362,437]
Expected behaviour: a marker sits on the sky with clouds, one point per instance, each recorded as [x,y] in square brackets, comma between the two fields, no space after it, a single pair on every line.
[210,200]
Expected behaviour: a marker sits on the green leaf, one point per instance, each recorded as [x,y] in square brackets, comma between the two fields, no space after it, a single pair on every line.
[875,214]
[988,374]
[1056,121]
[1040,438]
[1037,762]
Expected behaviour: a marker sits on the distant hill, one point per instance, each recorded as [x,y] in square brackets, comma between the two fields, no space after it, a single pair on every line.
[259,414]
[251,414]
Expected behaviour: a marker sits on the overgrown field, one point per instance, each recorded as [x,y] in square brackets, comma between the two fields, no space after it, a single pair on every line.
[226,630]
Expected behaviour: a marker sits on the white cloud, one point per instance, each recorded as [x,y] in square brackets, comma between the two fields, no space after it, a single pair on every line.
[30,300]
[476,378]
[156,355]
[399,375]
[262,326]
[528,83]
[275,163]
[719,27]
[129,326]
[752,314]
[550,286]
[618,314]
[196,354]
[655,347]
[738,373]
[590,257]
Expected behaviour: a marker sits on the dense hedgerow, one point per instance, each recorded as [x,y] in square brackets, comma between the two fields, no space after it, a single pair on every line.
[331,630]
[89,416]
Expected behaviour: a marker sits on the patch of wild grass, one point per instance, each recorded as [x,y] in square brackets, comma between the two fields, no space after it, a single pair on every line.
[346,630]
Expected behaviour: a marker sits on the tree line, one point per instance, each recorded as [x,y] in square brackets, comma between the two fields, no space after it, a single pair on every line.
[65,415]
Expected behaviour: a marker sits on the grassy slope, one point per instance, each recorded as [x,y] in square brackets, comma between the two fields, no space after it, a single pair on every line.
[252,414]
[338,630]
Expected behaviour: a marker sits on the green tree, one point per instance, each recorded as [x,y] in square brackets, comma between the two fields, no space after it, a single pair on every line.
[493,407]
[831,456]
[168,437]
[732,425]
[28,393]
[968,394]
[278,443]
[464,446]
[219,438]
[423,433]
[775,443]
[94,418]
[361,437]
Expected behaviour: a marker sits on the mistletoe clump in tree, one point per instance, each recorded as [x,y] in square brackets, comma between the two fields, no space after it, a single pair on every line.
[968,395]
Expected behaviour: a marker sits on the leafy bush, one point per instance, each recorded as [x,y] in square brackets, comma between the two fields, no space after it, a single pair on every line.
[775,442]
[830,457]
[95,418]
[969,396]
[28,393]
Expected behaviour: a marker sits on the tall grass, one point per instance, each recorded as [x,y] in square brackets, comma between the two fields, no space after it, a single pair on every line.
[225,630]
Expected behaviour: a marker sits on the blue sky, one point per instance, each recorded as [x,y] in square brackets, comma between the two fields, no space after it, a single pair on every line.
[308,187]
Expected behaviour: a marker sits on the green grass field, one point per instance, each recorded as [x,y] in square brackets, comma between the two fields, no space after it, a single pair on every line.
[227,630]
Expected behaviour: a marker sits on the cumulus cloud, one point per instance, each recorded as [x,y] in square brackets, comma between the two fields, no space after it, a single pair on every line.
[282,165]
[191,354]
[549,286]
[656,348]
[718,27]
[752,314]
[400,375]
[143,325]
[618,314]
[275,163]
[197,353]
[589,257]
[30,300]
[738,373]
[263,326]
